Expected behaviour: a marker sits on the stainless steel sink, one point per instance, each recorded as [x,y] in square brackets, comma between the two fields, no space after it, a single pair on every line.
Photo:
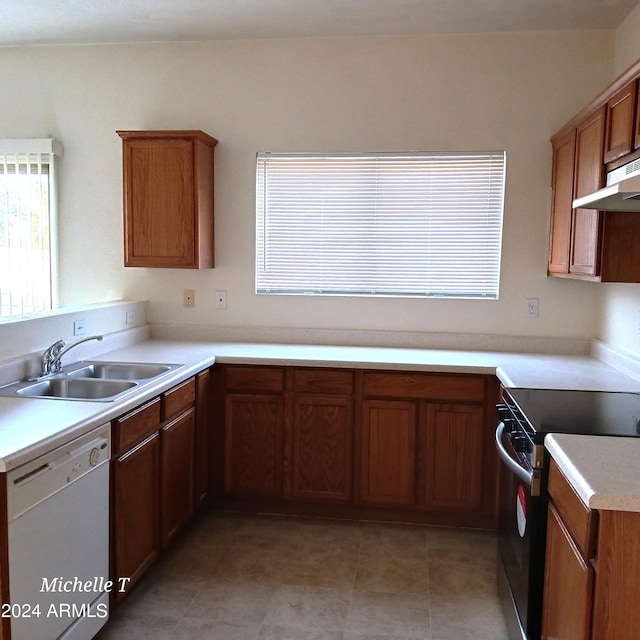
[119,370]
[91,380]
[76,388]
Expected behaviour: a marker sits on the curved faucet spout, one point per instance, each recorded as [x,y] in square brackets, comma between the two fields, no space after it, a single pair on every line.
[51,358]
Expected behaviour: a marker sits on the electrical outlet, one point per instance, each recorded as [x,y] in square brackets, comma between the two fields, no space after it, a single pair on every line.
[189,298]
[531,307]
[221,299]
[79,328]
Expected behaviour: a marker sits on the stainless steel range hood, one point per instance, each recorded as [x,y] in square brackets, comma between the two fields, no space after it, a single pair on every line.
[622,192]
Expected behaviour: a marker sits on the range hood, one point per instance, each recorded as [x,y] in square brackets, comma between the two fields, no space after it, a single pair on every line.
[622,192]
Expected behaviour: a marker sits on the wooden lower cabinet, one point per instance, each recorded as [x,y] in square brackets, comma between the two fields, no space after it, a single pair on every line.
[568,585]
[372,444]
[153,478]
[322,434]
[136,497]
[454,469]
[254,430]
[177,442]
[388,452]
[427,455]
[591,569]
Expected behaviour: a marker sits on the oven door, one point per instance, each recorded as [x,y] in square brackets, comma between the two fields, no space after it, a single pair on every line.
[521,544]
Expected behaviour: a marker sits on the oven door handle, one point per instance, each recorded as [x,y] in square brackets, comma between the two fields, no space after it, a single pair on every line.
[521,472]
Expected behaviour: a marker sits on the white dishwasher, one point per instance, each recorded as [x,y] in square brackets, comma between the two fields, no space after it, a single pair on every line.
[58,510]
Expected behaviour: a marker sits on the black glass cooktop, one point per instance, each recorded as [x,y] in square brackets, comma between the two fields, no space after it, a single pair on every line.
[582,412]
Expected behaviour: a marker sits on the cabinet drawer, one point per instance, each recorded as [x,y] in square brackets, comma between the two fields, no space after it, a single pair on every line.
[179,397]
[580,521]
[263,379]
[424,386]
[135,425]
[323,381]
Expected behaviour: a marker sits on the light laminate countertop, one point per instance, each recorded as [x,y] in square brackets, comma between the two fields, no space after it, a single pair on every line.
[30,427]
[602,469]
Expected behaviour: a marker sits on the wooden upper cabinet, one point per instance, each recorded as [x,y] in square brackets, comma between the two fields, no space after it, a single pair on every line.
[168,199]
[586,244]
[620,123]
[588,177]
[564,155]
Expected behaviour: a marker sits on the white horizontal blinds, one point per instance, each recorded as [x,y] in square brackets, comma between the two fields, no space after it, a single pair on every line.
[25,247]
[380,224]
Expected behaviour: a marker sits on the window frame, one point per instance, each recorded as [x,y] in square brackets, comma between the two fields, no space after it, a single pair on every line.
[429,205]
[26,152]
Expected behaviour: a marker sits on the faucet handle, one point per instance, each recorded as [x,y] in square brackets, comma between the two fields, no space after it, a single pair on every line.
[51,357]
[57,347]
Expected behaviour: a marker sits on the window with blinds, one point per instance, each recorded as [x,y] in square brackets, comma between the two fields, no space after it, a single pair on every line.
[27,226]
[380,224]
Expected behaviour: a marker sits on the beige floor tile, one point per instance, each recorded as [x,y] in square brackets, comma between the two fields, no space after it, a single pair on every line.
[455,578]
[392,574]
[369,636]
[251,563]
[340,537]
[392,540]
[461,544]
[389,614]
[467,617]
[199,629]
[270,534]
[190,561]
[232,601]
[288,633]
[155,596]
[313,608]
[131,626]
[321,569]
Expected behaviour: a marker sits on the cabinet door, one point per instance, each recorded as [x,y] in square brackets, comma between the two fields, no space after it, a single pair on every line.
[322,448]
[159,203]
[589,172]
[254,426]
[136,499]
[201,476]
[620,120]
[564,153]
[455,454]
[568,586]
[388,452]
[176,473]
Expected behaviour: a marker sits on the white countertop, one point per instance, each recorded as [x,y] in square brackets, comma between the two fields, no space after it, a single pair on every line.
[602,469]
[31,427]
[531,371]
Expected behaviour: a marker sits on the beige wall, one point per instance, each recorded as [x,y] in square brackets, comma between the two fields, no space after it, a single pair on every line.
[619,309]
[492,91]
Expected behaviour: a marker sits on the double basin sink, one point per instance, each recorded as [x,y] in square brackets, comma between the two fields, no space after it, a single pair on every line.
[90,380]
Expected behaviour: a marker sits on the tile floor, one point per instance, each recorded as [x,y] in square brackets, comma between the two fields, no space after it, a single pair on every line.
[238,577]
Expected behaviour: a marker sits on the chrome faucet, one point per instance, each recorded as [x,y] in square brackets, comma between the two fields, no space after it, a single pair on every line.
[51,357]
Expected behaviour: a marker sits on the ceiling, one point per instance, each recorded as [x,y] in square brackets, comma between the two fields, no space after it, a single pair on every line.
[37,22]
